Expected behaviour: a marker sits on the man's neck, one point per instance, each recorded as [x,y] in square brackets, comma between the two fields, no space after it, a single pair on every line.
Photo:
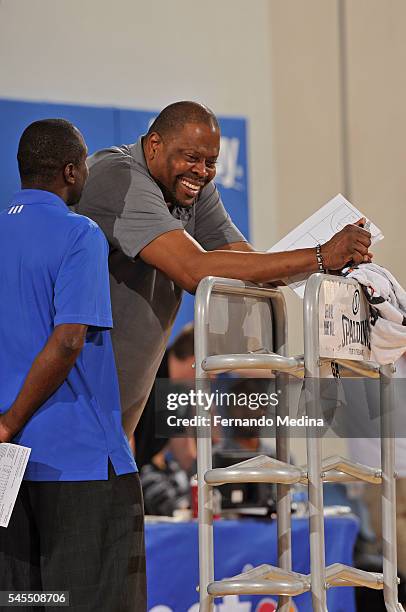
[61,193]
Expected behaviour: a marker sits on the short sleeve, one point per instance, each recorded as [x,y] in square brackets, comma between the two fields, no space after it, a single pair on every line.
[145,215]
[82,291]
[213,226]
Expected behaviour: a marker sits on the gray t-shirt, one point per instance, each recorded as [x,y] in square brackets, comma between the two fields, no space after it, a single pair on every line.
[124,199]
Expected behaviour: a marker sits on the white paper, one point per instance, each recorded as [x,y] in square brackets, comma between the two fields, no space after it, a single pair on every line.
[318,229]
[13,461]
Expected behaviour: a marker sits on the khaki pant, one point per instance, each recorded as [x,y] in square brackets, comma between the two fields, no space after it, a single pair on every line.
[372,497]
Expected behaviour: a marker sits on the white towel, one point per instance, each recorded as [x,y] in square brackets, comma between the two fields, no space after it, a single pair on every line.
[388,345]
[387,300]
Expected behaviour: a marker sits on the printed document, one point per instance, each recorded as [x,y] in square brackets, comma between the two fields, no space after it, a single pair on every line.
[13,461]
[318,229]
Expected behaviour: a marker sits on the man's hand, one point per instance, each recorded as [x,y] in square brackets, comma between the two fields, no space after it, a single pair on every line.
[351,244]
[5,433]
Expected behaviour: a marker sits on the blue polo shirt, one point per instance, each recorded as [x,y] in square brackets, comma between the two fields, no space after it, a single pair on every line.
[53,270]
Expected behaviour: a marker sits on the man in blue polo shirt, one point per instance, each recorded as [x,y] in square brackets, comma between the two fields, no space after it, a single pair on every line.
[77,524]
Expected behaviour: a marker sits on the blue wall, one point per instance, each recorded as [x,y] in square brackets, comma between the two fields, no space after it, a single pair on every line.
[104,126]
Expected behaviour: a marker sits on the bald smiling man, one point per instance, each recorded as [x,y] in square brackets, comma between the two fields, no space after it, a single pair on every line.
[157,203]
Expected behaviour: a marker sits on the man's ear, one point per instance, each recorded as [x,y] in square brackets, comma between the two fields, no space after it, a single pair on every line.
[69,174]
[153,144]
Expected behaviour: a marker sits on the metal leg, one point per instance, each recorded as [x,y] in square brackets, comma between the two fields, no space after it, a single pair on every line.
[283,503]
[205,501]
[316,524]
[283,496]
[204,453]
[390,589]
[314,451]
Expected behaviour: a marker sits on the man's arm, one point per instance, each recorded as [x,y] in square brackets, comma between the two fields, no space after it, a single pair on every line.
[243,246]
[48,371]
[246,247]
[183,260]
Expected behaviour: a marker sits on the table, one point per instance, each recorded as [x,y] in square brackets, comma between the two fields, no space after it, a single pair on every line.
[172,562]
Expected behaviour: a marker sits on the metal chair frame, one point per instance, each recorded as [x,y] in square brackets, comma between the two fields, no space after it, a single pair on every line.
[267,579]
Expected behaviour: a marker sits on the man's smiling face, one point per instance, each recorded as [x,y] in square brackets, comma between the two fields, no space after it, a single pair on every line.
[183,162]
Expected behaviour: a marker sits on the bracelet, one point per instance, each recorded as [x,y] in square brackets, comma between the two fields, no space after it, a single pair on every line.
[320,261]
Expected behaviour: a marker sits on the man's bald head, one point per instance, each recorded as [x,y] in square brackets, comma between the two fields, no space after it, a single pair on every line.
[174,117]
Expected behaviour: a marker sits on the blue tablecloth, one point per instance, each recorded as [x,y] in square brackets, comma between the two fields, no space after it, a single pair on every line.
[172,562]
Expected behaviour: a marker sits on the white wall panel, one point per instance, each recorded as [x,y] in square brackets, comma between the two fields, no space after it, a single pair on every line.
[146,55]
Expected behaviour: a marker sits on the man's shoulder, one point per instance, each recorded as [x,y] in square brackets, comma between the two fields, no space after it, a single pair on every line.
[111,162]
[81,226]
[114,154]
[116,169]
[117,158]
